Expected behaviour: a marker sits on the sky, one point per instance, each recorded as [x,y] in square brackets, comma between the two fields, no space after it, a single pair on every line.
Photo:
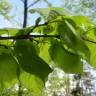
[17,12]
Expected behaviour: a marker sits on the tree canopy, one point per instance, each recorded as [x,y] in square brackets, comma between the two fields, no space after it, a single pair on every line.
[29,54]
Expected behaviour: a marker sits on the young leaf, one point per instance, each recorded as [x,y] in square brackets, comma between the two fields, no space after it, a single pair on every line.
[92,48]
[70,38]
[8,71]
[44,54]
[81,21]
[31,83]
[49,13]
[9,31]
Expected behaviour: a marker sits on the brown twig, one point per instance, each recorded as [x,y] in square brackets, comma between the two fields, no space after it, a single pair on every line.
[20,37]
[46,23]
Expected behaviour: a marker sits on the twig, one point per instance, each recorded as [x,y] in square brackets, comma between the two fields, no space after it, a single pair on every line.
[25,13]
[46,23]
[33,3]
[20,37]
[89,40]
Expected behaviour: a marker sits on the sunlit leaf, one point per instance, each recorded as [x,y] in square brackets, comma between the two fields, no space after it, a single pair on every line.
[92,48]
[44,53]
[70,38]
[89,38]
[8,71]
[9,31]
[81,21]
[14,31]
[31,83]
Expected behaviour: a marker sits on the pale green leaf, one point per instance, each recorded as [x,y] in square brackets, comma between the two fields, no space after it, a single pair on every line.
[44,53]
[49,13]
[8,71]
[32,83]
[92,48]
[70,38]
[9,31]
[81,21]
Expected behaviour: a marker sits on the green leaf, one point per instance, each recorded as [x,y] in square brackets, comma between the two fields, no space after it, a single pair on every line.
[8,71]
[5,49]
[42,11]
[38,21]
[44,53]
[9,31]
[49,13]
[30,61]
[70,38]
[69,62]
[90,34]
[90,39]
[48,29]
[14,31]
[81,21]
[55,12]
[92,48]
[32,83]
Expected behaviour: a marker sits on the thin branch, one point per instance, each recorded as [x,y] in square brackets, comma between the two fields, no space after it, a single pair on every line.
[33,3]
[46,23]
[20,37]
[91,41]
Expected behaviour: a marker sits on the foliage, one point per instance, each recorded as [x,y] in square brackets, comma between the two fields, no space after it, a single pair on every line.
[5,8]
[62,84]
[81,7]
[28,64]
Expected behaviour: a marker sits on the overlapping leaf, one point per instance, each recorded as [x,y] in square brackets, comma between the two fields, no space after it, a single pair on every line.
[30,61]
[49,13]
[32,83]
[9,31]
[70,38]
[33,61]
[90,39]
[44,53]
[8,70]
[92,48]
[13,31]
[81,21]
[69,62]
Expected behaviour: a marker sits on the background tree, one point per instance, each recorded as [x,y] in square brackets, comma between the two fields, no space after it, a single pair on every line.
[5,7]
[81,7]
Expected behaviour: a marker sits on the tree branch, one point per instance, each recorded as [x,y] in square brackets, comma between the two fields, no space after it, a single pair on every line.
[25,13]
[46,23]
[91,41]
[20,37]
[33,3]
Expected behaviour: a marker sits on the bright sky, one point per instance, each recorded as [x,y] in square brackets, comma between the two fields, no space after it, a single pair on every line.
[18,12]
